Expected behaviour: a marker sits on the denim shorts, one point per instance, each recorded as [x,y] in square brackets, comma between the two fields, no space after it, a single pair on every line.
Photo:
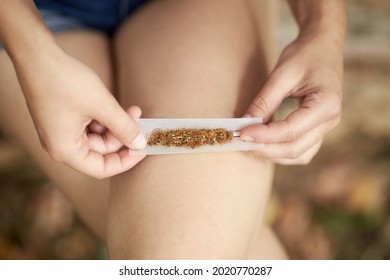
[102,15]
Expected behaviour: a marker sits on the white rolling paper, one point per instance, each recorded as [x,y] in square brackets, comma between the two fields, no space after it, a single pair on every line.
[233,124]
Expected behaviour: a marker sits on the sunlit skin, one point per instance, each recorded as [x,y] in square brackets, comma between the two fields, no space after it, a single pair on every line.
[80,118]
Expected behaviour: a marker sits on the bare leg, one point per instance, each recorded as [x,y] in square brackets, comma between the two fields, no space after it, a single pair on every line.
[89,196]
[265,245]
[91,49]
[186,59]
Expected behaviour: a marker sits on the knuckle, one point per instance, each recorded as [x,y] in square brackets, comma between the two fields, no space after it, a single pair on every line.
[130,130]
[55,153]
[304,160]
[98,173]
[294,152]
[260,104]
[335,106]
[291,135]
[99,176]
[335,111]
[92,172]
[337,120]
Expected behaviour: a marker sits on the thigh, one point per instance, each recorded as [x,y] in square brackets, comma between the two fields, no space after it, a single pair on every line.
[89,196]
[176,55]
[189,59]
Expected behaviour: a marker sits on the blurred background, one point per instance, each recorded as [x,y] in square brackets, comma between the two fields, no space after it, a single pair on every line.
[337,207]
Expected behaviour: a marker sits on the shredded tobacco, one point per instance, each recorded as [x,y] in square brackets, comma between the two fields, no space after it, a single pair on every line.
[192,138]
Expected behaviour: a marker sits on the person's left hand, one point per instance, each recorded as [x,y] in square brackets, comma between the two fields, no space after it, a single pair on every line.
[311,69]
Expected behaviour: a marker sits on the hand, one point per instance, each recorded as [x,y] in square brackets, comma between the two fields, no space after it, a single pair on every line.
[77,119]
[309,69]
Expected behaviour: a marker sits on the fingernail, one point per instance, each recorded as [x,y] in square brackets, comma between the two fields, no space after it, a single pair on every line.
[247,138]
[139,142]
[246,116]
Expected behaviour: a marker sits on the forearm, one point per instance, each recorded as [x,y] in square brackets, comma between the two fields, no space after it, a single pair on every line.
[22,31]
[320,17]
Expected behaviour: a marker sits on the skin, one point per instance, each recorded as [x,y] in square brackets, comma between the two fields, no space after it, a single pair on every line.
[66,139]
[92,50]
[147,208]
[303,72]
[148,218]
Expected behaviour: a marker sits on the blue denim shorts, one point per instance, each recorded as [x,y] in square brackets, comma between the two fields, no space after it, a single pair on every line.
[102,15]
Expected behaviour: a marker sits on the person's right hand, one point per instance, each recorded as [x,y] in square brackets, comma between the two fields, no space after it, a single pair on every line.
[65,98]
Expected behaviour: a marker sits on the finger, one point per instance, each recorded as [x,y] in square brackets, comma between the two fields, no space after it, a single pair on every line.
[95,127]
[293,150]
[103,143]
[103,166]
[107,143]
[121,124]
[315,110]
[272,94]
[135,112]
[305,158]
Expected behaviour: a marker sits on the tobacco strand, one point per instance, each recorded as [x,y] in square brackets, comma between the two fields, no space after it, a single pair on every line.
[192,138]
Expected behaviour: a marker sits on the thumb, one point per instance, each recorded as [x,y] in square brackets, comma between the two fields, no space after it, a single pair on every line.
[269,99]
[134,112]
[121,125]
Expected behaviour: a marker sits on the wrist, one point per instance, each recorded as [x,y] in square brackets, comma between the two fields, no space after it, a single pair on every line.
[322,18]
[28,52]
[40,56]
[26,39]
[332,31]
